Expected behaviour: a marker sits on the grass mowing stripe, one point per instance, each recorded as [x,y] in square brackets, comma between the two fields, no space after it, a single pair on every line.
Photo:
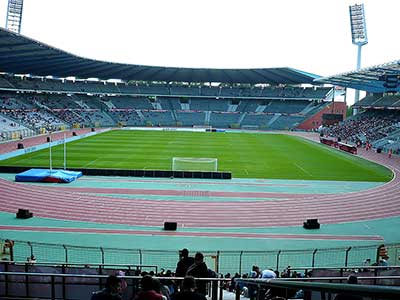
[246,155]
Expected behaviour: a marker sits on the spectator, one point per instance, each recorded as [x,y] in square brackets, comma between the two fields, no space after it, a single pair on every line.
[352,279]
[255,273]
[147,290]
[112,291]
[161,289]
[188,290]
[185,261]
[199,270]
[268,274]
[169,283]
[232,283]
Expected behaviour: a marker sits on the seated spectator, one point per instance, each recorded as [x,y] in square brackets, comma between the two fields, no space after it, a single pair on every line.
[188,290]
[112,291]
[147,290]
[161,289]
[267,274]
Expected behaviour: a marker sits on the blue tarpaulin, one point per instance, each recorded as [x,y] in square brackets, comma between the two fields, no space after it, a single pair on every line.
[45,175]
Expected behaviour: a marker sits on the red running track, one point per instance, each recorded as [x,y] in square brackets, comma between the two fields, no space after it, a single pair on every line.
[380,202]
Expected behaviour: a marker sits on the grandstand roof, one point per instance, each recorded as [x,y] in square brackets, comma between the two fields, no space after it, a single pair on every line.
[23,55]
[371,79]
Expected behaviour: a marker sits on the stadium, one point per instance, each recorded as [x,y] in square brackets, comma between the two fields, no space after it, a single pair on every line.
[115,166]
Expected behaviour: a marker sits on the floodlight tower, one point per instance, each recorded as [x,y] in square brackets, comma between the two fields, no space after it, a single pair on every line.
[358,36]
[14,15]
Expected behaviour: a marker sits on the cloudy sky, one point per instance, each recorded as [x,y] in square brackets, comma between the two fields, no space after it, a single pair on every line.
[310,35]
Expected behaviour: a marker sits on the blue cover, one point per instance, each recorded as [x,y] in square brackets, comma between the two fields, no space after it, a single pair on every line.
[44,175]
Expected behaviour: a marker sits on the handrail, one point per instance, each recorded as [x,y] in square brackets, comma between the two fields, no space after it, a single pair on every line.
[151,255]
[104,276]
[344,267]
[132,281]
[332,278]
[251,281]
[383,292]
[56,264]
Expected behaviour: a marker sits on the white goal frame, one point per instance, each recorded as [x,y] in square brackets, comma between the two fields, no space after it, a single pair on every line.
[202,128]
[213,162]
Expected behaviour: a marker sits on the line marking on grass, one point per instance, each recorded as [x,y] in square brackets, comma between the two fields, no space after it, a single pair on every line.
[304,170]
[247,173]
[91,162]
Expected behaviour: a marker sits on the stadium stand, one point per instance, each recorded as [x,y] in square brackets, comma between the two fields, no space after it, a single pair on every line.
[285,122]
[73,107]
[190,118]
[224,119]
[159,117]
[54,103]
[256,119]
[371,126]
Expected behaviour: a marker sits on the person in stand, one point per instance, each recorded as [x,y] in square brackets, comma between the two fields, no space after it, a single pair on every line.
[252,291]
[112,290]
[188,290]
[199,270]
[185,261]
[147,290]
[268,274]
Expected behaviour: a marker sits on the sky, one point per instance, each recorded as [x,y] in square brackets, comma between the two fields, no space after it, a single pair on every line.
[309,35]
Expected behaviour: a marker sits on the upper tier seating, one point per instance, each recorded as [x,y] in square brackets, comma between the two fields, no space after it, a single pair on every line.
[159,89]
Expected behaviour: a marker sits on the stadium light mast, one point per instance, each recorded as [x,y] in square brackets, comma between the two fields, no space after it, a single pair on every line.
[14,15]
[358,36]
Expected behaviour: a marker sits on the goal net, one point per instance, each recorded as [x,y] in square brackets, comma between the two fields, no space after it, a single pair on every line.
[194,164]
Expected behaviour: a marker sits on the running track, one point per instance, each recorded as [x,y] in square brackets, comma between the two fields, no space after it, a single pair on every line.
[291,210]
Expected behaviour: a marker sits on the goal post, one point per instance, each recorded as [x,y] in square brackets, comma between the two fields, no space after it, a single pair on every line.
[202,126]
[195,164]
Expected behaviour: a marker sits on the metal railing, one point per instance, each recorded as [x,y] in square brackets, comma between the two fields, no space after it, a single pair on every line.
[79,286]
[325,290]
[219,261]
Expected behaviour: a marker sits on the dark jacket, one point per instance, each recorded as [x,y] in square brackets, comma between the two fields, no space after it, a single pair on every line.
[148,295]
[187,295]
[183,265]
[105,294]
[199,271]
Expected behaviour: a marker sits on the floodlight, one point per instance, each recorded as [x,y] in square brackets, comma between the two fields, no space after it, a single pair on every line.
[357,23]
[14,15]
[358,36]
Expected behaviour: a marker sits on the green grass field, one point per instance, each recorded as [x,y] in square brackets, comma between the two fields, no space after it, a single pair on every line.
[246,155]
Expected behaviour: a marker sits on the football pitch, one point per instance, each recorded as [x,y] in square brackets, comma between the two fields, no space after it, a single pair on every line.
[246,155]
